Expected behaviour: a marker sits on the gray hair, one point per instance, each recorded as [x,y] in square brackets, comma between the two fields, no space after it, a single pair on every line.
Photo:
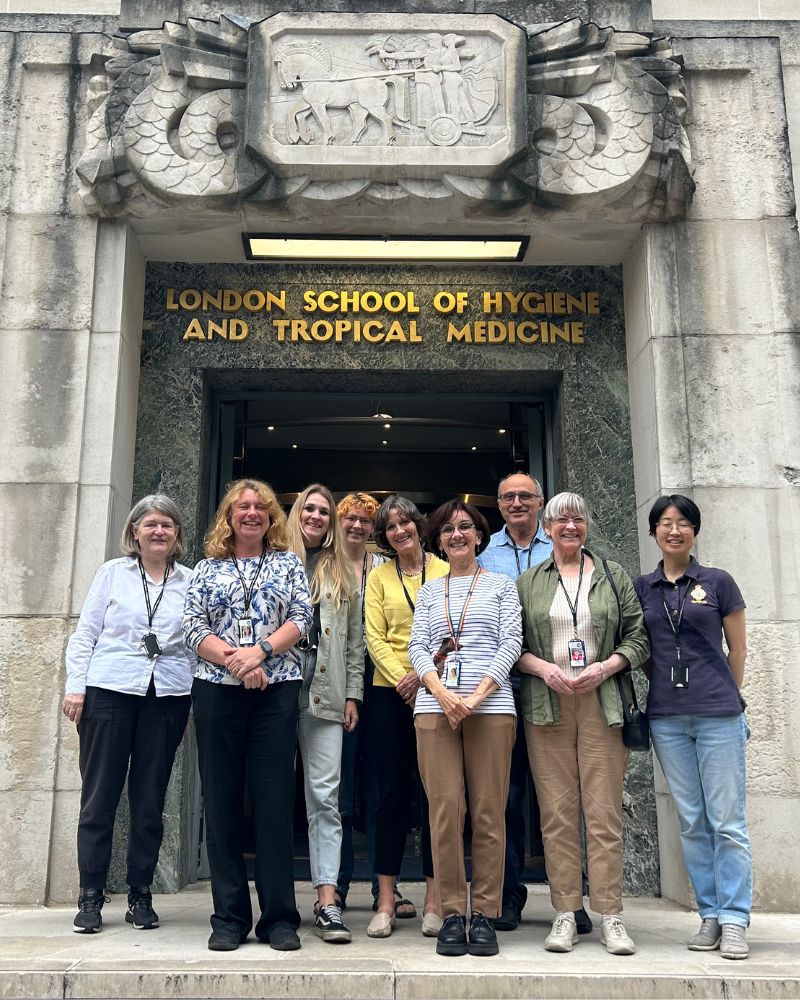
[404,507]
[564,504]
[537,485]
[164,505]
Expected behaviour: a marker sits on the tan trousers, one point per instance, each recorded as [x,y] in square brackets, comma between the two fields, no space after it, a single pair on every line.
[580,763]
[480,752]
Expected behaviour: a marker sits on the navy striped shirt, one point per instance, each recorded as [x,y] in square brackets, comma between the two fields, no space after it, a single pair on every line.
[491,640]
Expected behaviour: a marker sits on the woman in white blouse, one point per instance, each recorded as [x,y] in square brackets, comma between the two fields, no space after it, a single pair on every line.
[129,675]
[466,636]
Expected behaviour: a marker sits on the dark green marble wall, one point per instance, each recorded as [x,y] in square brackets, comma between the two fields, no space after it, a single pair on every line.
[586,384]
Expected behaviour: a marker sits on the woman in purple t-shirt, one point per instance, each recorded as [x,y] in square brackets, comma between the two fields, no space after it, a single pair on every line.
[697,720]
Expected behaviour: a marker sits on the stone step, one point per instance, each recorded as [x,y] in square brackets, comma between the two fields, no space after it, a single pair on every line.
[40,956]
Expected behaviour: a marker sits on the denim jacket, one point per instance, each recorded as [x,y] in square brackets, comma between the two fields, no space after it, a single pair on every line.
[339,673]
[537,588]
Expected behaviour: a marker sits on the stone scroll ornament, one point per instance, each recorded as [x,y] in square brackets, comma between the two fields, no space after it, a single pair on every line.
[209,114]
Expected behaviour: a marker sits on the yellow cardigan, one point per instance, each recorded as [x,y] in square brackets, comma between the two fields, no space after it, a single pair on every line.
[388,618]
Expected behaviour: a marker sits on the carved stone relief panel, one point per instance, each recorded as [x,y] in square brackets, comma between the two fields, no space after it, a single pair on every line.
[391,94]
[574,119]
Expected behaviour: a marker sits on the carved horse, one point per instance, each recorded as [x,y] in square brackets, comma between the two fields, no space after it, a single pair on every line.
[307,66]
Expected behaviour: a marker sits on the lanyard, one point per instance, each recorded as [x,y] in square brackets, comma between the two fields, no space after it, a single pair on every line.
[456,633]
[151,610]
[517,551]
[402,584]
[248,591]
[676,625]
[573,607]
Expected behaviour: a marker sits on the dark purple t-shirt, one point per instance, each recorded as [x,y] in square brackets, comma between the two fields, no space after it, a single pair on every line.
[711,594]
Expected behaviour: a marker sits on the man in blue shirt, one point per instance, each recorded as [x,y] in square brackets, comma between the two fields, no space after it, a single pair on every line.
[520,544]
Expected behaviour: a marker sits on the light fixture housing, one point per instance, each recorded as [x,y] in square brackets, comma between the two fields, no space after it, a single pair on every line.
[285,246]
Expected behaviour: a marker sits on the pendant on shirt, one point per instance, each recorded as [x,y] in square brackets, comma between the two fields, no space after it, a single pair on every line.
[452,670]
[577,654]
[246,633]
[151,645]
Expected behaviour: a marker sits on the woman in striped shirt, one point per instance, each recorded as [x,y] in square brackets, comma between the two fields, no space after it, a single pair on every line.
[467,635]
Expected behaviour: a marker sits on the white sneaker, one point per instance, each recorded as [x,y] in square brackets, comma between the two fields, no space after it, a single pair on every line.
[614,936]
[563,935]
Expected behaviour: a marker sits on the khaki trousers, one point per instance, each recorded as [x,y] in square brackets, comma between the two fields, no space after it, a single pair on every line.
[480,752]
[580,763]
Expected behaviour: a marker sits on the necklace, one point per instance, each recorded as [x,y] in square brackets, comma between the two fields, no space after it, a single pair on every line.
[412,572]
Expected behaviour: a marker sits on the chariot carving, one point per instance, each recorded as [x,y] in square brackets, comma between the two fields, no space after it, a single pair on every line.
[471,110]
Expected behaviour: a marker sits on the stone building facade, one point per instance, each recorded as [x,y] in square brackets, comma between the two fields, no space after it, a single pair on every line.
[644,154]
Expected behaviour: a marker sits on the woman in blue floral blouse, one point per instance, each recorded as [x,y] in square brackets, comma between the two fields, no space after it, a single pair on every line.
[247,606]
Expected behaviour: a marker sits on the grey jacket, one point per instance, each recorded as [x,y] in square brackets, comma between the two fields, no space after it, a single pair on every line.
[339,674]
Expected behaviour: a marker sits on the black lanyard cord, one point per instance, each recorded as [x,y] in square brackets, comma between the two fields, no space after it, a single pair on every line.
[517,551]
[402,584]
[151,609]
[676,625]
[248,591]
[573,607]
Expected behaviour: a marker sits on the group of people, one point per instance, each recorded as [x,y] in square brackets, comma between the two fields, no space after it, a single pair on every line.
[458,655]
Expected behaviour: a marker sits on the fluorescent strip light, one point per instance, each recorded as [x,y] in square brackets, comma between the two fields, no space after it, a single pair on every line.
[401,248]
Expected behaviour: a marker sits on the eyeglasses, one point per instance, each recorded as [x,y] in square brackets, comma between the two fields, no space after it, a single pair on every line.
[525,496]
[679,525]
[463,526]
[563,521]
[355,519]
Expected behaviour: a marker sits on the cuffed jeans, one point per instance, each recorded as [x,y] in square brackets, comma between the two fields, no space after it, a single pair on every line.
[703,760]
[321,749]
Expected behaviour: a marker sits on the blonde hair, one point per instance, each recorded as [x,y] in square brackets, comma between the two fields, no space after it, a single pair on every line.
[358,500]
[219,540]
[333,570]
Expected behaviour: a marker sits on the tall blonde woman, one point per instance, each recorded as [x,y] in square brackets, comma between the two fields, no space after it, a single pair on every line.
[333,684]
[246,609]
[391,593]
[577,637]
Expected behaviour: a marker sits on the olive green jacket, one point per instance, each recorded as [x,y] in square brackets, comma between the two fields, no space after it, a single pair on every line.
[537,588]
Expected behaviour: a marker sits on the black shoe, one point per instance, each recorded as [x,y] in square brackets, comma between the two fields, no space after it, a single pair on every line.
[583,922]
[509,918]
[329,926]
[282,937]
[89,919]
[482,938]
[452,938]
[140,908]
[226,937]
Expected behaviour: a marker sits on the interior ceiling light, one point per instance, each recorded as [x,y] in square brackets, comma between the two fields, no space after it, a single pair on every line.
[387,426]
[501,430]
[280,246]
[271,427]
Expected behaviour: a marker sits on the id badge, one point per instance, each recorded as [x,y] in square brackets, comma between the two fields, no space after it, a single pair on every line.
[452,671]
[577,654]
[679,674]
[151,645]
[246,634]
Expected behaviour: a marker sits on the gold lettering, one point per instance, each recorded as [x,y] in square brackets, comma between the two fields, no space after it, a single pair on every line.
[280,326]
[413,336]
[492,302]
[231,300]
[464,334]
[253,300]
[190,299]
[217,329]
[194,331]
[237,329]
[172,305]
[593,303]
[212,300]
[523,334]
[577,333]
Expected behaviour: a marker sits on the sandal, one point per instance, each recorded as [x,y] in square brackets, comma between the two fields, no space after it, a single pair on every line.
[401,901]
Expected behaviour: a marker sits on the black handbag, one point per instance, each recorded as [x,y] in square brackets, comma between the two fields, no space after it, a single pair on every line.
[635,727]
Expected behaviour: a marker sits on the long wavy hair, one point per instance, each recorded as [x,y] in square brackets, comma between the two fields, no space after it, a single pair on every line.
[332,571]
[219,540]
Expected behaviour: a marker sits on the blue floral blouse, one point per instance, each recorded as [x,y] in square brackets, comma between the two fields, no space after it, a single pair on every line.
[215,602]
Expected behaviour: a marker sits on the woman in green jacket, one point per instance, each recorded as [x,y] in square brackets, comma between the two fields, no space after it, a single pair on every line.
[577,636]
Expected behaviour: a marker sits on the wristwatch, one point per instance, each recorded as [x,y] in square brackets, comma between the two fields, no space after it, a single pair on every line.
[266,645]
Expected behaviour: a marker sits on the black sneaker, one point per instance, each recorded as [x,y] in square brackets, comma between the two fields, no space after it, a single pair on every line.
[452,938]
[509,918]
[482,938]
[89,919]
[328,925]
[140,908]
[226,937]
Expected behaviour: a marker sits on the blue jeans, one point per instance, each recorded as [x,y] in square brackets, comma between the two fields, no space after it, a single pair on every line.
[321,748]
[703,760]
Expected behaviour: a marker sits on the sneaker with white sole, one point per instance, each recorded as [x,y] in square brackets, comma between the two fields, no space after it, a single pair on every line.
[734,941]
[329,926]
[614,936]
[707,938]
[140,908]
[564,933]
[89,918]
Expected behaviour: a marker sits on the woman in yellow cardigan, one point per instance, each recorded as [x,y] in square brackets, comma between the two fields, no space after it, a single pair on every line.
[389,612]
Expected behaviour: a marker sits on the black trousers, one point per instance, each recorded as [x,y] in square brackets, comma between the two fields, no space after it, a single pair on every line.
[393,741]
[242,730]
[119,735]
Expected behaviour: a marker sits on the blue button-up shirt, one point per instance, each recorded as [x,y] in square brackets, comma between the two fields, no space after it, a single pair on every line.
[503,555]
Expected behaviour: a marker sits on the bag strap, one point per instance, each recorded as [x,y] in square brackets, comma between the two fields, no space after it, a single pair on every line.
[626,708]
